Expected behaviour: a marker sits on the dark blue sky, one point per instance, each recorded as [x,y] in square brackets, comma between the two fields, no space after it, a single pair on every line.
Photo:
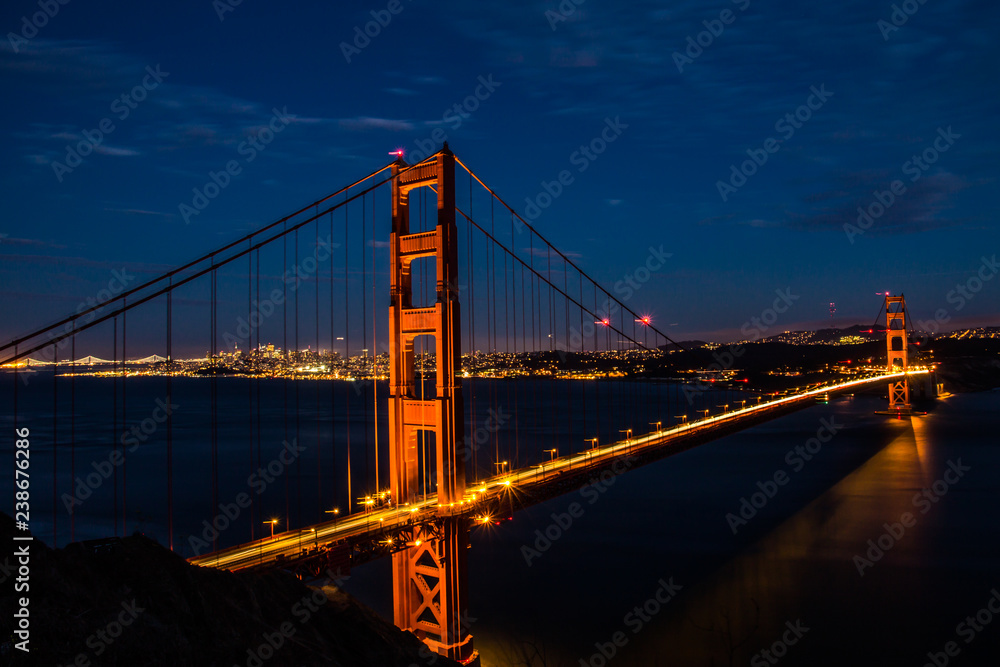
[892,94]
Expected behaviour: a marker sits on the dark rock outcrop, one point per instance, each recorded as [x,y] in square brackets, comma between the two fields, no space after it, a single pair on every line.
[133,602]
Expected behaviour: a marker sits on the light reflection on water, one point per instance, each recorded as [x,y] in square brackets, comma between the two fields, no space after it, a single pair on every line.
[792,561]
[795,562]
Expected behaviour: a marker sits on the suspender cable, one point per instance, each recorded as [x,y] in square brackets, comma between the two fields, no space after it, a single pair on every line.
[287,360]
[114,427]
[16,430]
[513,312]
[506,339]
[378,487]
[55,443]
[72,432]
[260,510]
[534,342]
[472,343]
[296,360]
[124,423]
[170,423]
[347,350]
[250,356]
[364,332]
[491,334]
[567,351]
[214,388]
[319,360]
[333,394]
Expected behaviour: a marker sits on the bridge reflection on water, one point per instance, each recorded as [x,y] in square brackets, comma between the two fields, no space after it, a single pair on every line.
[794,561]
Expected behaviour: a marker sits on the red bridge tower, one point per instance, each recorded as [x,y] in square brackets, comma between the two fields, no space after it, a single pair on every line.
[429,577]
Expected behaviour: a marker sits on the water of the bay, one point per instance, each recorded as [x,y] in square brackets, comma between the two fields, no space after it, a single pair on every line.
[789,580]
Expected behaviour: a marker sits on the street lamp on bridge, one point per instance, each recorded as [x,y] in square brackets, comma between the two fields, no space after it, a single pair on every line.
[501,465]
[336,515]
[683,418]
[552,452]
[272,522]
[628,438]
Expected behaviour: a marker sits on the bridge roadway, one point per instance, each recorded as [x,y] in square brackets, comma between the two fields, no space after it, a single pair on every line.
[522,487]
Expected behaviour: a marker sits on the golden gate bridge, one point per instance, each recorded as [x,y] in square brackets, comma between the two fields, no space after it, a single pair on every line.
[410,435]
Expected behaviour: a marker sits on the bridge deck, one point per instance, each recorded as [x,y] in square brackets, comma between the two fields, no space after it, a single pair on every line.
[531,484]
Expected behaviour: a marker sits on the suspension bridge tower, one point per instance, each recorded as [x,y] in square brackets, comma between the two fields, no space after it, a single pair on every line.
[896,359]
[429,577]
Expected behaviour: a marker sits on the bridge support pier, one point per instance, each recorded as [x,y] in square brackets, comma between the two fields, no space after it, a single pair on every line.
[429,577]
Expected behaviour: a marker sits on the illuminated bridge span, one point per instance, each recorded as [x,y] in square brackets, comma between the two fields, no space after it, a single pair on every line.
[267,410]
[389,528]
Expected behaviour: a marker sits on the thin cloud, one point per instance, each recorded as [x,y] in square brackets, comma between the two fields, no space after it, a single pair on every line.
[370,123]
[924,205]
[104,149]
